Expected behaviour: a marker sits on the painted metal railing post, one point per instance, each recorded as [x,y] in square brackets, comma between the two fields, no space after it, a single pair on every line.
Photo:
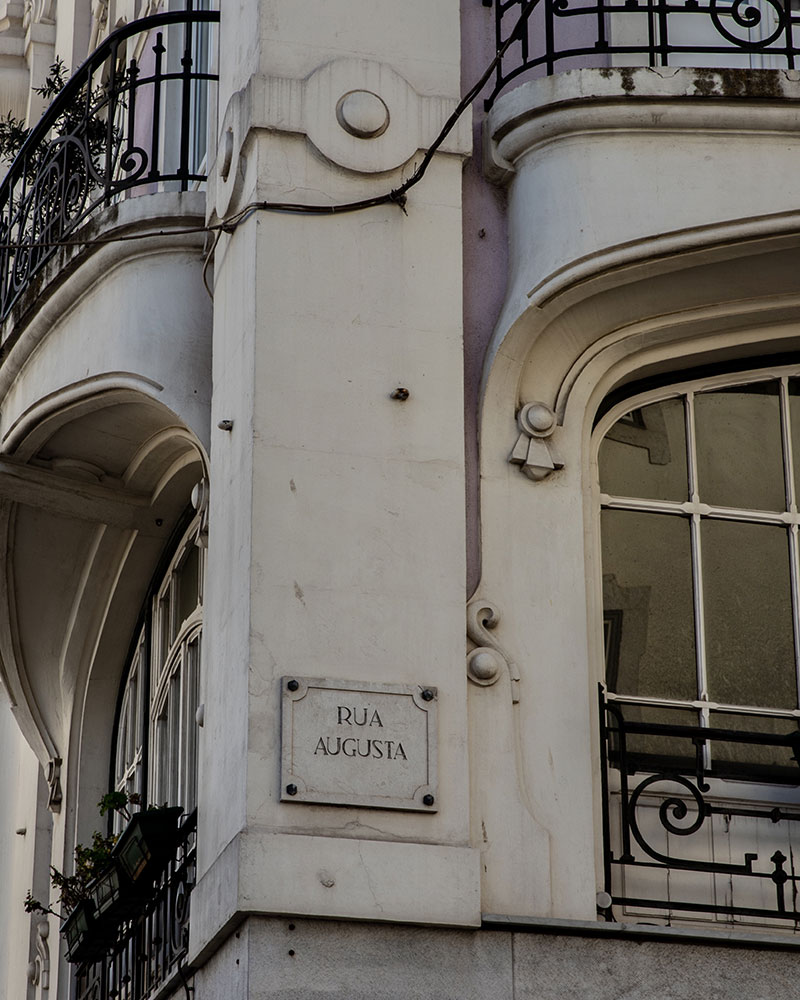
[159,49]
[186,107]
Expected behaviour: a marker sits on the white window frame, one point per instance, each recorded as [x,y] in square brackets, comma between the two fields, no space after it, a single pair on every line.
[161,690]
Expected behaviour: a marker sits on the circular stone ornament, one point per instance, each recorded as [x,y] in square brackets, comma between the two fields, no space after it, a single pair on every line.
[362,114]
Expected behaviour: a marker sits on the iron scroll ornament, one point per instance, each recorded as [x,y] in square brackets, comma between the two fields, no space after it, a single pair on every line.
[546,33]
[110,130]
[746,16]
[679,810]
[674,781]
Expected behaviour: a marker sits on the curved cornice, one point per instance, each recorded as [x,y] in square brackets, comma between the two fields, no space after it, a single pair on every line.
[637,195]
[648,100]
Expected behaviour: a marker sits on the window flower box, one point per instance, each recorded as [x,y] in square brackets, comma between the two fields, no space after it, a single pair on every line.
[87,937]
[146,844]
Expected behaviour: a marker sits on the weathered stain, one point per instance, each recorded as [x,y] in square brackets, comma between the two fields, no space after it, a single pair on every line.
[751,83]
[755,83]
[705,82]
[625,74]
[626,79]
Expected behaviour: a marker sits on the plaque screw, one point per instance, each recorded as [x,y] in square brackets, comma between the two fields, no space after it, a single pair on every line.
[428,799]
[427,695]
[293,685]
[291,789]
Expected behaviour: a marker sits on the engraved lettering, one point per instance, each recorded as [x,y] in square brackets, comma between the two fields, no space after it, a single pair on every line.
[352,746]
[358,716]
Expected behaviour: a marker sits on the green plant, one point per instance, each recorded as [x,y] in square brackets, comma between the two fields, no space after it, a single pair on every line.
[90,861]
[14,132]
[82,160]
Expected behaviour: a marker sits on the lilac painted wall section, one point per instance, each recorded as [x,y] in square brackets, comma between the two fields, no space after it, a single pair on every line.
[485,262]
[485,246]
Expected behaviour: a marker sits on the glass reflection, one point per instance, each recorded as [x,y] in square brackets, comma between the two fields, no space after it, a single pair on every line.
[648,607]
[644,453]
[739,451]
[748,614]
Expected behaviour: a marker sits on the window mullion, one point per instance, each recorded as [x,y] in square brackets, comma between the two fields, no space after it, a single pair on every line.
[786,437]
[697,559]
[791,506]
[794,570]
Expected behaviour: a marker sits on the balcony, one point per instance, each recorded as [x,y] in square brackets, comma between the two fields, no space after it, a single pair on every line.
[133,120]
[547,36]
[700,823]
[148,952]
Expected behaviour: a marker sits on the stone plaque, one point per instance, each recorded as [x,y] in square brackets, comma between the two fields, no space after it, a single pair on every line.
[358,744]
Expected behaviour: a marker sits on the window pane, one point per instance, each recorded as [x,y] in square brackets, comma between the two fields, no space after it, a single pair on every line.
[191,698]
[748,614]
[162,637]
[174,709]
[187,579]
[647,589]
[644,453]
[739,451]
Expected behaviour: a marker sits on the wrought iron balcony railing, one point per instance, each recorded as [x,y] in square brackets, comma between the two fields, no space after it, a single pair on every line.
[132,119]
[700,823]
[149,948]
[553,35]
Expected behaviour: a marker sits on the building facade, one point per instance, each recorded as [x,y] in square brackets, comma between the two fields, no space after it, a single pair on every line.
[399,473]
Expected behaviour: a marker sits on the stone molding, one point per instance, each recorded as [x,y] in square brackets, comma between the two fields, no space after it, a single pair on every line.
[316,107]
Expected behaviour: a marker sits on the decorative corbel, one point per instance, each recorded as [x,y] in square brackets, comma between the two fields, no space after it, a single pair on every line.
[39,968]
[53,776]
[200,503]
[536,455]
[487,661]
[99,21]
[43,11]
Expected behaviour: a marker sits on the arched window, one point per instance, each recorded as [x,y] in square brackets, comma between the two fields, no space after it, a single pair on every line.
[156,742]
[699,489]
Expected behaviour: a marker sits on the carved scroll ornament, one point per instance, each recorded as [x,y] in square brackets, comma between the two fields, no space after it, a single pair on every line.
[487,661]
